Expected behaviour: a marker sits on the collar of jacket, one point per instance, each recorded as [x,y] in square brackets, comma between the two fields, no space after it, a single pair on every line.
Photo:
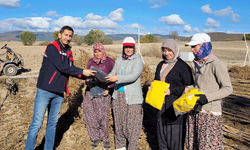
[132,57]
[211,58]
[61,46]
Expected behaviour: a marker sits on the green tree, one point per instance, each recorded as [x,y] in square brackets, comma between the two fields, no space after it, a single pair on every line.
[55,35]
[89,39]
[144,40]
[78,40]
[27,38]
[157,39]
[100,36]
[107,41]
[174,35]
[149,38]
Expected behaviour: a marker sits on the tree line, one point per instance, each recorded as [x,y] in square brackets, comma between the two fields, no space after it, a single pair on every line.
[98,36]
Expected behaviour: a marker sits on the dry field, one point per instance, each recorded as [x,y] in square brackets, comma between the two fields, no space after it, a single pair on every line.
[16,112]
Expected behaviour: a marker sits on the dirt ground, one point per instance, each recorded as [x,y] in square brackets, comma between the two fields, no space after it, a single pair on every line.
[17,110]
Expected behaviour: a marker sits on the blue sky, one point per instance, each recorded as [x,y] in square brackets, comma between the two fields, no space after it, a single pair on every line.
[187,17]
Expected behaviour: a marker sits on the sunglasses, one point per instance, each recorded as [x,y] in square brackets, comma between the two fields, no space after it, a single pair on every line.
[194,46]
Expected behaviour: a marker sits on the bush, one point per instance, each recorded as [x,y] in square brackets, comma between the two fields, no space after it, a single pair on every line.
[89,39]
[150,38]
[55,35]
[27,38]
[78,40]
[45,43]
[157,39]
[100,36]
[107,41]
[144,40]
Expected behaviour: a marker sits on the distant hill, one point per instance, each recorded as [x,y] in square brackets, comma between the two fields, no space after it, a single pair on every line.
[220,36]
[48,36]
[14,36]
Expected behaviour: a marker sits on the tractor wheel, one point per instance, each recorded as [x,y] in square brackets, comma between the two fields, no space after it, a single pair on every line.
[10,70]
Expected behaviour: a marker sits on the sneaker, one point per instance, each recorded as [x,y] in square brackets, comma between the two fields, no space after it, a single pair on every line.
[95,144]
[106,145]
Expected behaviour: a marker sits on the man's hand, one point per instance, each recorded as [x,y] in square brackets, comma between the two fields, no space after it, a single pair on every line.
[112,78]
[88,72]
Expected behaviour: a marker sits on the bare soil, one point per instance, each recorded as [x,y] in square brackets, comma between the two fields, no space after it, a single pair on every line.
[17,110]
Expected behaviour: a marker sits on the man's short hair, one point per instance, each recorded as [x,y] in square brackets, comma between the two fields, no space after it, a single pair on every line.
[66,28]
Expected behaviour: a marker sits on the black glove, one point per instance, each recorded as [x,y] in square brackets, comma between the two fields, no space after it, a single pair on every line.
[202,100]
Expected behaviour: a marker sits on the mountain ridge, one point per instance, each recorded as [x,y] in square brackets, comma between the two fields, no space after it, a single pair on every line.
[48,36]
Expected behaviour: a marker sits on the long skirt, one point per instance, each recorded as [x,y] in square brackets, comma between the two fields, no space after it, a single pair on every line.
[170,136]
[128,122]
[204,131]
[96,113]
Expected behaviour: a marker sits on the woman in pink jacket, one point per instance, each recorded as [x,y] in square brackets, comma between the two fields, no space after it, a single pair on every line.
[96,109]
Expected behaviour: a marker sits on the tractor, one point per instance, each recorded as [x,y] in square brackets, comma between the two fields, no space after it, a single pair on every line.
[10,62]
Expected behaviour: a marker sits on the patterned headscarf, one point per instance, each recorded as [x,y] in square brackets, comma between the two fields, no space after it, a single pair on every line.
[205,50]
[99,46]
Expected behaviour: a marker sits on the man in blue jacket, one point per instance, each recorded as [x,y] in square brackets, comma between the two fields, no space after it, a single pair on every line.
[52,82]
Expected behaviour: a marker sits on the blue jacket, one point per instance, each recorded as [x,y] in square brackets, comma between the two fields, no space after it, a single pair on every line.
[56,68]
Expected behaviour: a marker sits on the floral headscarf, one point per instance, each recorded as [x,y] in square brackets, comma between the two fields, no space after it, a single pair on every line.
[99,46]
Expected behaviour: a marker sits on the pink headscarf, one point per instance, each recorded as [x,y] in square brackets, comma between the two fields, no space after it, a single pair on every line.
[99,46]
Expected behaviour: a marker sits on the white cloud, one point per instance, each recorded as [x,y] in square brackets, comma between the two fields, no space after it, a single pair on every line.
[52,14]
[212,23]
[196,29]
[28,23]
[110,31]
[234,17]
[5,26]
[206,9]
[157,3]
[9,3]
[70,21]
[116,15]
[223,12]
[209,30]
[155,6]
[135,26]
[172,20]
[187,28]
[91,16]
[100,24]
[28,5]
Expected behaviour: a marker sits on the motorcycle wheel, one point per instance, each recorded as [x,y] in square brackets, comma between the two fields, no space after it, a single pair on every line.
[10,70]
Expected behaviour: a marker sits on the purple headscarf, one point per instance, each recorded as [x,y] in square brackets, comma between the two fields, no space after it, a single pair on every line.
[205,50]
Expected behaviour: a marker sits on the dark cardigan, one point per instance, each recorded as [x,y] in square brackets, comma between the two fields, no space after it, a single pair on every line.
[179,77]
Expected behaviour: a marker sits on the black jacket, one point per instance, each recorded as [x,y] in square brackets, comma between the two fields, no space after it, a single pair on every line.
[179,77]
[56,68]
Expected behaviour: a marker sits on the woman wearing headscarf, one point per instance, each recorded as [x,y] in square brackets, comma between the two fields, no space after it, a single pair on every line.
[127,97]
[172,70]
[204,123]
[96,110]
